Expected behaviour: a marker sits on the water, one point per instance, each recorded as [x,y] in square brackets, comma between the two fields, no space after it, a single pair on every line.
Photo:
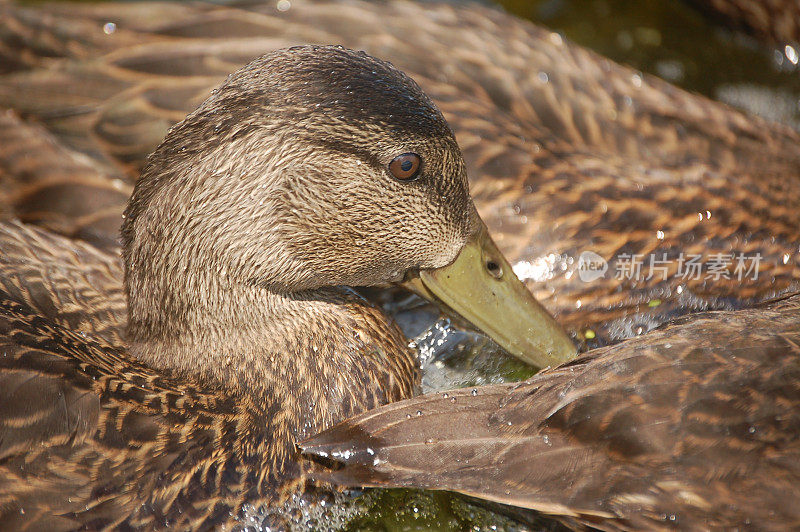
[453,358]
[669,39]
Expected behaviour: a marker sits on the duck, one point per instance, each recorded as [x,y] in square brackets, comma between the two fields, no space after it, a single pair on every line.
[310,170]
[566,151]
[671,430]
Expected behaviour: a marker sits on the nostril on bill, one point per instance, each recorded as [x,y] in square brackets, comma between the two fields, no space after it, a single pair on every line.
[494,269]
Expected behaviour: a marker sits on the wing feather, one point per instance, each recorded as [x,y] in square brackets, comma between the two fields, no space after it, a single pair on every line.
[670,429]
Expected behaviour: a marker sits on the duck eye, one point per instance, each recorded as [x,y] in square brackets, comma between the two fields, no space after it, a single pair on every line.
[405,167]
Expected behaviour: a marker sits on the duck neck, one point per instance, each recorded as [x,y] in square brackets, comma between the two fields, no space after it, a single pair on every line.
[327,353]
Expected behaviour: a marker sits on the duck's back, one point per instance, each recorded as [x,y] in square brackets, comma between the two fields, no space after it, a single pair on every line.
[566,151]
[68,282]
[91,438]
[693,426]
[86,432]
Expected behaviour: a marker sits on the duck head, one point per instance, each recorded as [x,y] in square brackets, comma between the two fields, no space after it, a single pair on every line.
[308,169]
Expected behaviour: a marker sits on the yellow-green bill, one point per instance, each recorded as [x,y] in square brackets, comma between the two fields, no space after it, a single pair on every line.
[481,287]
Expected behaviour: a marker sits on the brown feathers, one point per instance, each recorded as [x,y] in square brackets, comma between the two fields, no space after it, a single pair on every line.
[242,338]
[91,437]
[67,282]
[695,425]
[565,150]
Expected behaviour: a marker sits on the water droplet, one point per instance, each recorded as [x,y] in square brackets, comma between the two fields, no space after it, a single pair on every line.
[791,54]
[109,28]
[283,5]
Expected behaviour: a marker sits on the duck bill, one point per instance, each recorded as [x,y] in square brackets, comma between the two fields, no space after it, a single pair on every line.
[481,287]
